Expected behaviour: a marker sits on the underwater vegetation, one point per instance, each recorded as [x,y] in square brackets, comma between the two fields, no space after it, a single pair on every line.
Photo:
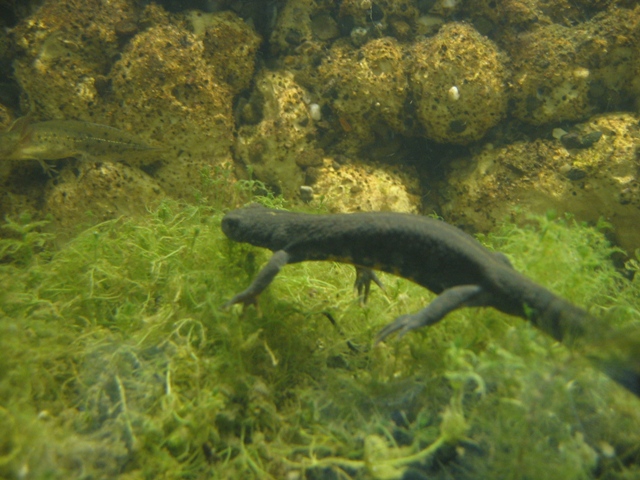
[117,362]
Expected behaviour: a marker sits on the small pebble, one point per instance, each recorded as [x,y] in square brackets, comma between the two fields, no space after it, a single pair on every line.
[306,193]
[315,112]
[558,133]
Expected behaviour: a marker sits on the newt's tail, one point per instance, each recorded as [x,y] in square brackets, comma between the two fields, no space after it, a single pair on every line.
[616,352]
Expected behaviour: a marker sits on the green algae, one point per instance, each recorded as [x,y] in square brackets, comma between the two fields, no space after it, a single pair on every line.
[117,362]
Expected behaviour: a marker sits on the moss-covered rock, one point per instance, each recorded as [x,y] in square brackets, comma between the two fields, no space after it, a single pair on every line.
[230,46]
[164,85]
[281,146]
[369,87]
[380,15]
[100,192]
[596,182]
[566,73]
[354,185]
[458,80]
[66,51]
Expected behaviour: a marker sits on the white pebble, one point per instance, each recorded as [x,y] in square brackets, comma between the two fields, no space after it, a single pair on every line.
[454,94]
[558,133]
[581,73]
[315,112]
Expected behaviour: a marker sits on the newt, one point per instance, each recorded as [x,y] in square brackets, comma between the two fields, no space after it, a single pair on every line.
[427,251]
[57,139]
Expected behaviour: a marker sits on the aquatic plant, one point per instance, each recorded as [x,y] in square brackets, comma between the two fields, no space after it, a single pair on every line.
[118,362]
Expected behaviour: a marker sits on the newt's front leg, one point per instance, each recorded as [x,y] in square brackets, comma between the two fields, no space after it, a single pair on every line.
[262,280]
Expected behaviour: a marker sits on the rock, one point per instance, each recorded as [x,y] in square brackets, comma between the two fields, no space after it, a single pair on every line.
[602,181]
[458,81]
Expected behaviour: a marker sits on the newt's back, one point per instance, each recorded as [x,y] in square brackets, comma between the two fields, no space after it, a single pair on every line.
[424,250]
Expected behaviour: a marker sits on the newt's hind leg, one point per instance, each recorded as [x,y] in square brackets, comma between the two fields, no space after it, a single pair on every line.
[364,277]
[449,300]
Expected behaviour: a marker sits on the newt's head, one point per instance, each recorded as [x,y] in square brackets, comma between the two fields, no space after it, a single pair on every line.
[256,225]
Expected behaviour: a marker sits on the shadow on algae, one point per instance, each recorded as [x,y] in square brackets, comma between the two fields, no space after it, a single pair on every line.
[117,362]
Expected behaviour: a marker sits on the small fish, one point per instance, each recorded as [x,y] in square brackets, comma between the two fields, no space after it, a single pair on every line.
[56,139]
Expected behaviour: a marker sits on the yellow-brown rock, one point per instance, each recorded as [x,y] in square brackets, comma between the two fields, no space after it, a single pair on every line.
[281,146]
[565,73]
[356,186]
[98,192]
[370,86]
[600,181]
[67,47]
[381,12]
[230,46]
[163,85]
[458,81]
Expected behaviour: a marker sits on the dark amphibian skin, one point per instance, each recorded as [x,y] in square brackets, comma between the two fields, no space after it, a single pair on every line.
[427,251]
